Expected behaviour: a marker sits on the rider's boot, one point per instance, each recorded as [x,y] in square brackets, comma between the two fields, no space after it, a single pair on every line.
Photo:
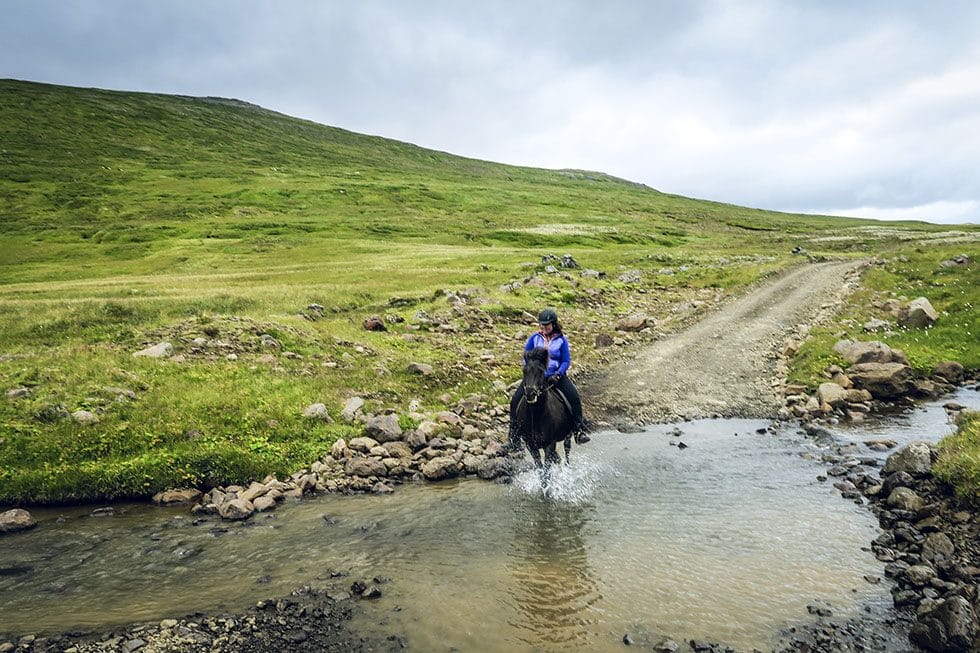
[581,432]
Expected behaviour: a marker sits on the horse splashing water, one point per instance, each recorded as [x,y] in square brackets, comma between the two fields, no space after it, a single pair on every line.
[543,416]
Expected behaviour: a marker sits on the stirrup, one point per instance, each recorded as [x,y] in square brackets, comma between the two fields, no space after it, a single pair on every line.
[581,437]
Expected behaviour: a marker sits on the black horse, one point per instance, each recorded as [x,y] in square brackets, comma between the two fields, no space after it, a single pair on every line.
[543,416]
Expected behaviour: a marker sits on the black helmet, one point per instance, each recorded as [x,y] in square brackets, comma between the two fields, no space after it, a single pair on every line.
[547,316]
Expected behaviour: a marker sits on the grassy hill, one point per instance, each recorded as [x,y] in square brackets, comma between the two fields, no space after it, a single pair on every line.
[131,218]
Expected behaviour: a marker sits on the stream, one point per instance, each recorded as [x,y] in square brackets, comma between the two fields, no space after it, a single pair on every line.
[728,539]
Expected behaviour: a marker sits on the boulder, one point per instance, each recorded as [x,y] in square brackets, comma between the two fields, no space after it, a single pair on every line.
[635,323]
[832,394]
[904,498]
[18,393]
[950,626]
[857,396]
[317,412]
[919,314]
[236,509]
[383,428]
[265,503]
[364,445]
[352,408]
[15,520]
[882,380]
[159,350]
[937,546]
[85,417]
[363,466]
[253,492]
[268,342]
[422,369]
[374,323]
[397,449]
[440,468]
[339,449]
[178,495]
[952,371]
[915,459]
[864,352]
[876,325]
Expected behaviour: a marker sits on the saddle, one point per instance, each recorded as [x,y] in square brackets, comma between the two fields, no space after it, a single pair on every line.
[564,399]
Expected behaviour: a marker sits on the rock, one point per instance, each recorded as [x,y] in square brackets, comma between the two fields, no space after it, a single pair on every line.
[264,503]
[375,323]
[831,394]
[177,495]
[857,396]
[383,428]
[236,509]
[339,449]
[635,323]
[666,646]
[440,468]
[422,369]
[936,547]
[15,520]
[254,491]
[603,340]
[914,459]
[364,467]
[919,314]
[85,417]
[952,371]
[882,380]
[352,408]
[950,626]
[364,444]
[18,393]
[904,498]
[864,352]
[919,575]
[416,440]
[876,325]
[397,449]
[159,350]
[268,342]
[317,412]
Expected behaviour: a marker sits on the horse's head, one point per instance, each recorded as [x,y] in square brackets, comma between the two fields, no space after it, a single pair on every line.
[535,365]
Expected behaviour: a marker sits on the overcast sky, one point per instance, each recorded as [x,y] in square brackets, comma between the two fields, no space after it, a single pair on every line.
[849,108]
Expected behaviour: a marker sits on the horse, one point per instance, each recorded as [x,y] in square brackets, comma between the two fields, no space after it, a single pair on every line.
[543,416]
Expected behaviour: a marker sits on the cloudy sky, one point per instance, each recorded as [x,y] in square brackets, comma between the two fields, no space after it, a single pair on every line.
[841,107]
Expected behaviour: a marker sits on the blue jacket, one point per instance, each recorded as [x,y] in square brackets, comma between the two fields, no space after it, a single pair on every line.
[559,355]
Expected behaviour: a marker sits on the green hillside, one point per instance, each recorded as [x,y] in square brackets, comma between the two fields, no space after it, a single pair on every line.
[129,218]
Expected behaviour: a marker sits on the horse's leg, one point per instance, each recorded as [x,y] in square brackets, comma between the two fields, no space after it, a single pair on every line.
[535,456]
[568,449]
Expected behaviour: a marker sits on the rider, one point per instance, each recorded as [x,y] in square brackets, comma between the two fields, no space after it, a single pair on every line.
[549,336]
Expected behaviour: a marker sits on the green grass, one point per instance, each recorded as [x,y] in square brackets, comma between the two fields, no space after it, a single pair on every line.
[909,271]
[959,458]
[130,218]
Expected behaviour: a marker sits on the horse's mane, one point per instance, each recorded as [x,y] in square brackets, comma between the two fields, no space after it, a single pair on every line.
[537,355]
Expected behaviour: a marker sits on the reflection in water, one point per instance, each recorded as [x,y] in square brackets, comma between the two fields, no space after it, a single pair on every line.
[553,584]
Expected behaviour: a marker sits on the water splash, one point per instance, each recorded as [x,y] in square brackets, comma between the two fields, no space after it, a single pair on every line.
[572,484]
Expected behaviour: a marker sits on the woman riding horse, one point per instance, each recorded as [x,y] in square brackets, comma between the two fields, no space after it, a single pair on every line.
[551,338]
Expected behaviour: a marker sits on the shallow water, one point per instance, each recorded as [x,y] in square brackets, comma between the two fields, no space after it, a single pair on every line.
[727,540]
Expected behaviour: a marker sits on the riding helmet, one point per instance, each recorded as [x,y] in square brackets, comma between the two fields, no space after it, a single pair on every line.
[547,316]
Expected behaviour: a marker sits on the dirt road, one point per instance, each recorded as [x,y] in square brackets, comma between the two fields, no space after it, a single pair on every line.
[725,364]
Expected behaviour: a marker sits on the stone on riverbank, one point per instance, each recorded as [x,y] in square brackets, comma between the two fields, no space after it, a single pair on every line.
[16,520]
[175,496]
[882,380]
[236,509]
[440,468]
[914,459]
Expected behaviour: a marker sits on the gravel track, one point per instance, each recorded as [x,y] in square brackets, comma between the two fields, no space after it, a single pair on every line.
[728,363]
